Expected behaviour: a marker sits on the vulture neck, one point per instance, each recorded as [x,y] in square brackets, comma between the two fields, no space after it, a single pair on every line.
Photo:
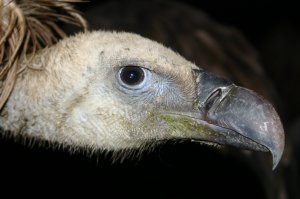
[26,109]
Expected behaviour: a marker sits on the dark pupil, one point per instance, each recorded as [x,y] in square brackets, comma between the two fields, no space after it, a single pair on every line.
[132,75]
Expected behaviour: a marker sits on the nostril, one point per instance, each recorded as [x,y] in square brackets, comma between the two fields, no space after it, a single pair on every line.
[212,99]
[215,98]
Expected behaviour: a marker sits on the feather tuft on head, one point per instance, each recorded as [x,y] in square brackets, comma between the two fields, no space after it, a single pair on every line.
[27,26]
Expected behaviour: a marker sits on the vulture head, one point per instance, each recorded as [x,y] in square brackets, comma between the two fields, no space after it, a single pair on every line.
[116,90]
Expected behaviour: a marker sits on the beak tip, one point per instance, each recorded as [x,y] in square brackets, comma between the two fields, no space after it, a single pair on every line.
[277,152]
[278,140]
[276,159]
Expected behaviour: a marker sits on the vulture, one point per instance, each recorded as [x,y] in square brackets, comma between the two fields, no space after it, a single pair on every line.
[118,91]
[115,91]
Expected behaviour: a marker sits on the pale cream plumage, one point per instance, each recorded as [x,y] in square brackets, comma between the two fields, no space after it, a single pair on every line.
[67,93]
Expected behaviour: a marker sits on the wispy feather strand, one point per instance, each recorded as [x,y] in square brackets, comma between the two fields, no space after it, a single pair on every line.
[27,26]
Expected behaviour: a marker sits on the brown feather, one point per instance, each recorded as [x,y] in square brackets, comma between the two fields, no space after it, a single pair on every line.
[27,26]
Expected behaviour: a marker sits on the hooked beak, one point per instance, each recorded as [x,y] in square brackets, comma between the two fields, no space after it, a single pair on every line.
[238,116]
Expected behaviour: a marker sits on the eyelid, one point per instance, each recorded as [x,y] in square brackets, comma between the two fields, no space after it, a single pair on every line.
[142,67]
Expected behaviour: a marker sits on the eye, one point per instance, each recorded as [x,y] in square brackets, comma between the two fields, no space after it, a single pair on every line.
[133,77]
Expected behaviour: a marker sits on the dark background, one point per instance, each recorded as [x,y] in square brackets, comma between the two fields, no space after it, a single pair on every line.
[174,170]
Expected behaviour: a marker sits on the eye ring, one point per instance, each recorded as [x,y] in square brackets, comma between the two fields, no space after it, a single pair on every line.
[133,77]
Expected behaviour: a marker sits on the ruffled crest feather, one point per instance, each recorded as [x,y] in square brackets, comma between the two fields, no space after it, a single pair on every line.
[27,26]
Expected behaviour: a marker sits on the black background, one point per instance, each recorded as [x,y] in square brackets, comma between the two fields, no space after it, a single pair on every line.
[173,170]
